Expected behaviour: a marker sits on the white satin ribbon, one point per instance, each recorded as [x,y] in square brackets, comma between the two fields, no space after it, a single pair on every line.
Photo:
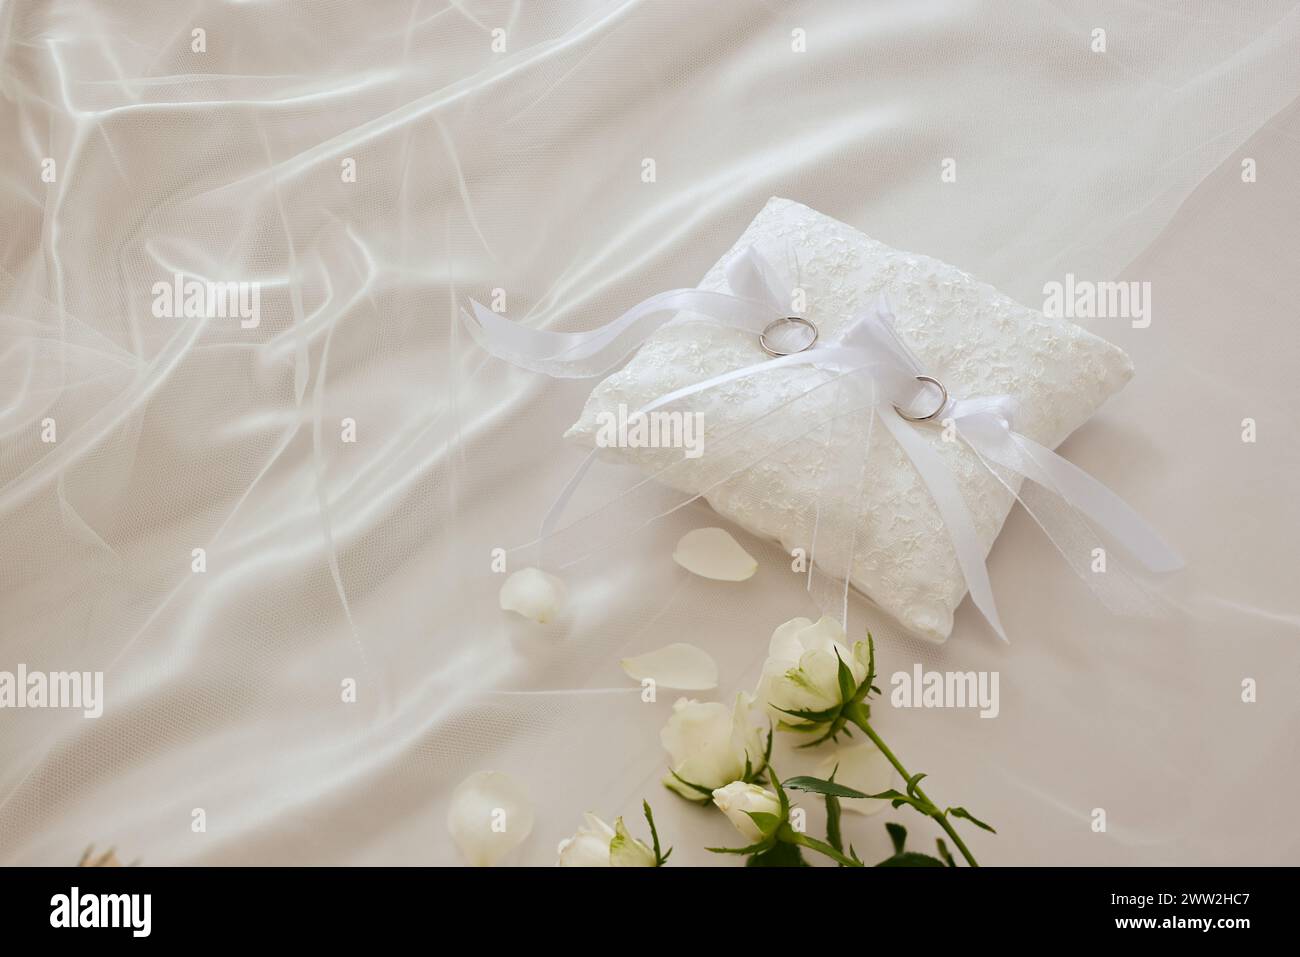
[869,351]
[576,355]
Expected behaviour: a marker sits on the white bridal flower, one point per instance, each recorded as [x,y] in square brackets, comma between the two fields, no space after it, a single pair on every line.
[802,671]
[709,744]
[599,845]
[534,594]
[490,815]
[738,798]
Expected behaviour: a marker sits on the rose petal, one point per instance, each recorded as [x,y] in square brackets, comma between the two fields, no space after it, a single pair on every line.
[785,645]
[490,815]
[534,594]
[713,553]
[862,767]
[678,665]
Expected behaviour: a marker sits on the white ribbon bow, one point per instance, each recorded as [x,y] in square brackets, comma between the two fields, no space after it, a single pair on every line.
[870,351]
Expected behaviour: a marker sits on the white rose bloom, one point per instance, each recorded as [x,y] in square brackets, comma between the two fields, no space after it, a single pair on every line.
[708,744]
[599,845]
[738,798]
[802,671]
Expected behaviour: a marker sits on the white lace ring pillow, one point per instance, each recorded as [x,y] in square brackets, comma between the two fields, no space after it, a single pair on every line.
[972,337]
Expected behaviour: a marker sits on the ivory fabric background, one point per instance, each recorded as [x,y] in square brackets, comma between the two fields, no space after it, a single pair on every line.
[521,170]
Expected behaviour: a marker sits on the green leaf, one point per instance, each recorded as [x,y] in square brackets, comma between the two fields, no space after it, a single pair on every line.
[780,793]
[897,835]
[913,781]
[756,848]
[654,834]
[963,813]
[781,855]
[944,853]
[833,835]
[802,728]
[868,683]
[819,786]
[814,717]
[767,823]
[895,798]
[848,687]
[790,835]
[911,859]
[832,730]
[707,792]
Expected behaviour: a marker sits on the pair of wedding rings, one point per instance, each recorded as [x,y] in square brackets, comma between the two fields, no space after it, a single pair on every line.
[771,350]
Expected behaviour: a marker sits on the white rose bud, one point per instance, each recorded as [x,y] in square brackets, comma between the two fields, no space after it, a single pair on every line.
[534,594]
[599,845]
[738,798]
[709,744]
[802,669]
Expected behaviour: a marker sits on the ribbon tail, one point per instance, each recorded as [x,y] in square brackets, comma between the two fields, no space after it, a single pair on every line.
[995,442]
[956,516]
[574,355]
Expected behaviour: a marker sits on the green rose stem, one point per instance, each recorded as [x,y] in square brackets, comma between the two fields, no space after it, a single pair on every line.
[857,713]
